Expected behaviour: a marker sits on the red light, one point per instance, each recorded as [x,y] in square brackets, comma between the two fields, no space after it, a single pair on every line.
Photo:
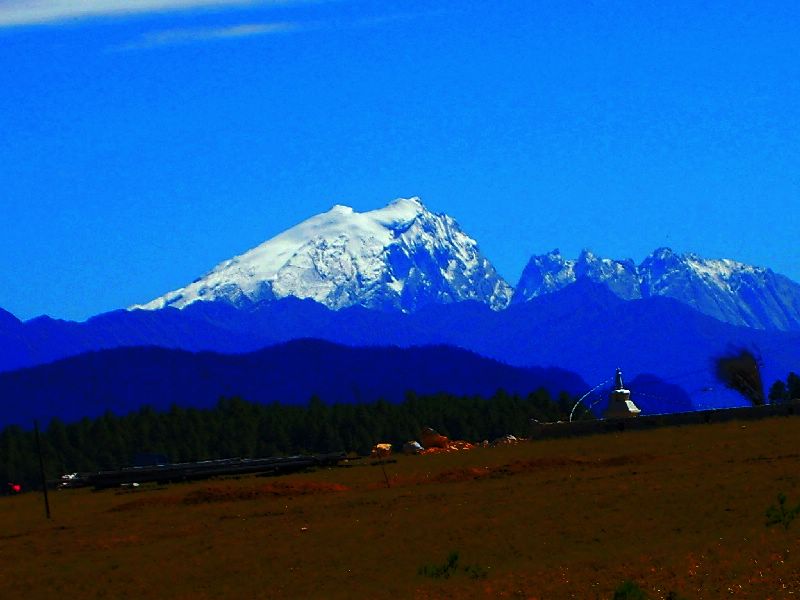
[16,488]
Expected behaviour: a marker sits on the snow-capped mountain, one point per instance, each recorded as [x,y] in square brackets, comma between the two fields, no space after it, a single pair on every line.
[725,289]
[402,256]
[551,272]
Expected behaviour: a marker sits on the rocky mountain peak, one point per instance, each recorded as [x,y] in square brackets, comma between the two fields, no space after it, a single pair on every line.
[728,290]
[402,256]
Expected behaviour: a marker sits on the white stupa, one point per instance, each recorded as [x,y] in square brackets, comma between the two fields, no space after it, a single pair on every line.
[620,406]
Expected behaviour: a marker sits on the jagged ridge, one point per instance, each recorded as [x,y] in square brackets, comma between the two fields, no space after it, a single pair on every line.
[405,257]
[730,291]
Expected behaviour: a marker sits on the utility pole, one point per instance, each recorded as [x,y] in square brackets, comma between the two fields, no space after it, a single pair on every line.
[41,468]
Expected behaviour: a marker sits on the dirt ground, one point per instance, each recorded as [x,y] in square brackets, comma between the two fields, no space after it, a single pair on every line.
[678,510]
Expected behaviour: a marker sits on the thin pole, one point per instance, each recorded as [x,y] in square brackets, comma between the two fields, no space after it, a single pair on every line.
[385,476]
[41,468]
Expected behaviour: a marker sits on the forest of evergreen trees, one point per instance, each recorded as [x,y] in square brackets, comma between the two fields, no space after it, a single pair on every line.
[237,428]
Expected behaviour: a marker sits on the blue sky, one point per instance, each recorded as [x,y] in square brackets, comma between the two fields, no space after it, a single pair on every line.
[145,141]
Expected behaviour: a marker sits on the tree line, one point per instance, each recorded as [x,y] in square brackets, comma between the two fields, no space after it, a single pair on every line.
[238,428]
[784,391]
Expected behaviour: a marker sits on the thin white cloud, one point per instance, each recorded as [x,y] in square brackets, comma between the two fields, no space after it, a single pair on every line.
[171,37]
[181,36]
[40,12]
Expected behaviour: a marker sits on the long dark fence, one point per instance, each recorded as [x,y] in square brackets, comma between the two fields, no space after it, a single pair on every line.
[648,422]
[173,472]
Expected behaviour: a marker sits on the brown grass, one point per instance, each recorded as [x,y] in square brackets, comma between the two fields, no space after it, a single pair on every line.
[231,493]
[678,509]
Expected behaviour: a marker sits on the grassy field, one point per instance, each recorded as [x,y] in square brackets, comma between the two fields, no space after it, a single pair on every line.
[678,510]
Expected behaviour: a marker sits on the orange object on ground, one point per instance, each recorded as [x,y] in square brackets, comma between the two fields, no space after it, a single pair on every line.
[452,446]
[381,450]
[431,439]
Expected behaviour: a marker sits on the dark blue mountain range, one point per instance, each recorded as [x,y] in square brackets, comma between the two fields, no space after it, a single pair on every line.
[583,328]
[124,379]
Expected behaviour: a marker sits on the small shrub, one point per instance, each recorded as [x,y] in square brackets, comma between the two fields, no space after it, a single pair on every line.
[451,567]
[441,571]
[780,515]
[629,590]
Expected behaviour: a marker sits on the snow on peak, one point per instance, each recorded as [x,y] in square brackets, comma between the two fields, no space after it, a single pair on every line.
[663,253]
[414,203]
[341,209]
[721,269]
[551,272]
[399,256]
[399,212]
[728,290]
